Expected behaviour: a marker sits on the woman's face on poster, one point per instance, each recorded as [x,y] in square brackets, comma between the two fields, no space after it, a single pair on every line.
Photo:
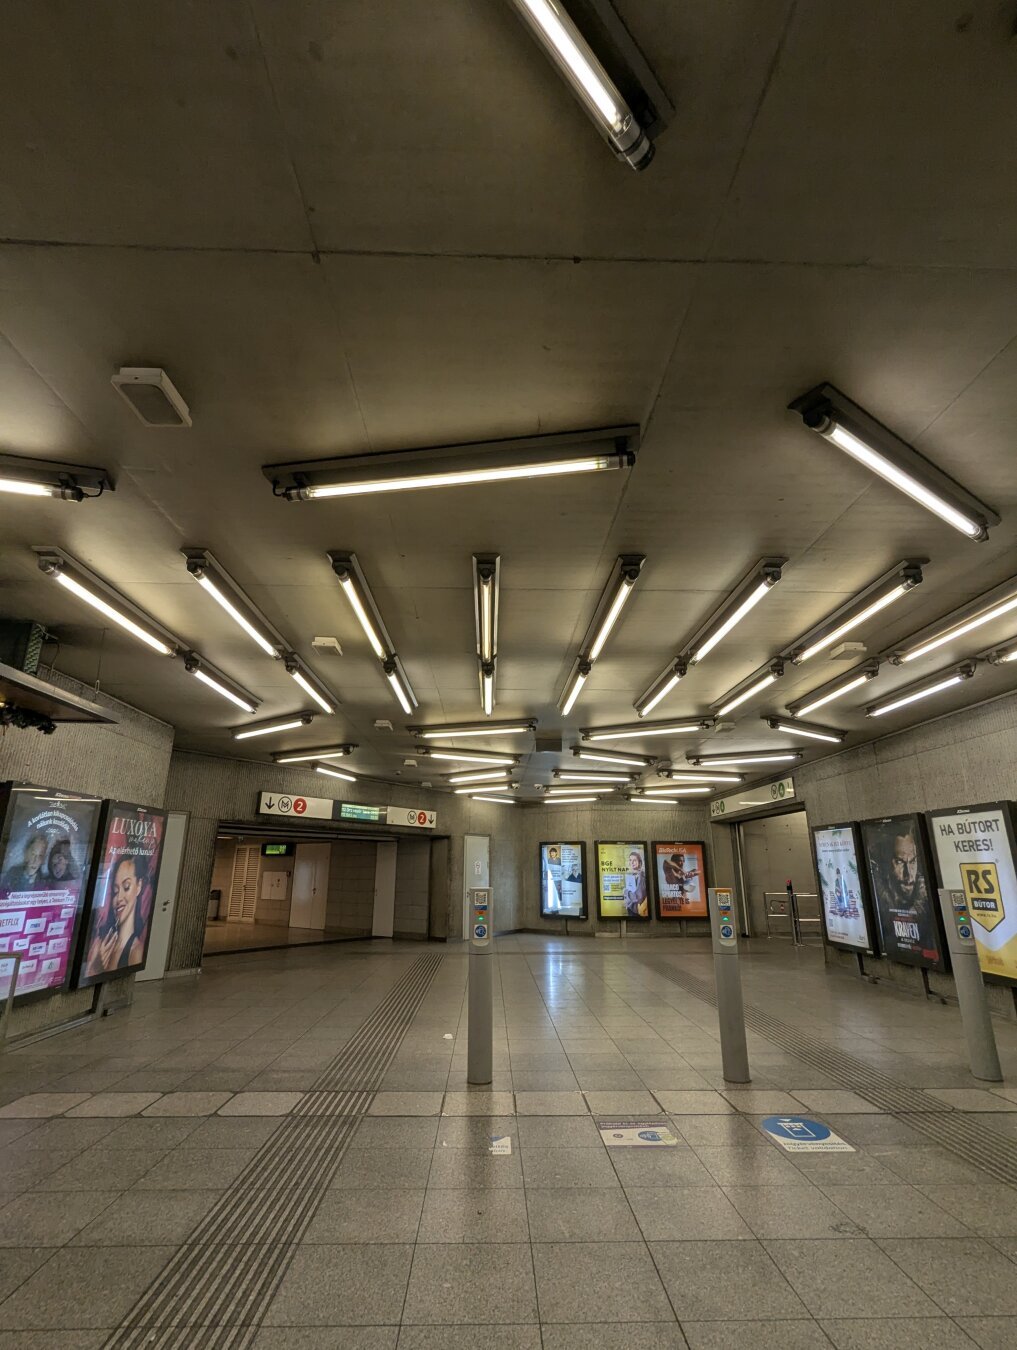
[59,862]
[126,889]
[35,855]
[635,863]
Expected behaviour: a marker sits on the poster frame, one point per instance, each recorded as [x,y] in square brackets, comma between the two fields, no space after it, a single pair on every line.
[922,841]
[651,881]
[677,918]
[557,914]
[6,798]
[1007,809]
[864,885]
[109,807]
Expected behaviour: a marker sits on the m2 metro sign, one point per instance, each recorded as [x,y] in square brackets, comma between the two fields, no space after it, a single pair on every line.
[324,808]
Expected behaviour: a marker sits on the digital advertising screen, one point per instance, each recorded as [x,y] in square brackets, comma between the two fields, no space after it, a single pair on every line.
[563,881]
[45,858]
[119,920]
[974,852]
[903,891]
[622,881]
[681,881]
[847,919]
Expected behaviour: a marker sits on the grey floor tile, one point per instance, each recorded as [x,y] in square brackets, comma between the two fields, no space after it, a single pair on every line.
[741,1166]
[52,1340]
[843,1169]
[896,1333]
[825,1102]
[991,1333]
[853,1279]
[620,1336]
[49,1219]
[875,1131]
[459,1169]
[73,1289]
[469,1338]
[677,1166]
[114,1104]
[451,1284]
[538,1132]
[187,1104]
[325,1338]
[472,1133]
[896,1211]
[751,1288]
[244,1132]
[198,1169]
[544,1080]
[623,1104]
[147,1219]
[397,1132]
[474,1216]
[406,1104]
[929,1166]
[150,1136]
[972,1099]
[61,1134]
[802,1335]
[719,1131]
[791,1212]
[692,1102]
[366,1216]
[381,1168]
[761,1102]
[475,1103]
[611,1080]
[99,1168]
[554,1168]
[362,1285]
[989,1211]
[18,1264]
[673,1214]
[965,1276]
[41,1105]
[580,1215]
[598,1282]
[551,1104]
[260,1104]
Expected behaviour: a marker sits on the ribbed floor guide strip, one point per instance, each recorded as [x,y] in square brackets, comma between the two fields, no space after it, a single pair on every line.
[218,1285]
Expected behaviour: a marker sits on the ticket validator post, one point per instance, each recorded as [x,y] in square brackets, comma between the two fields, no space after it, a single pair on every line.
[479,1052]
[730,1009]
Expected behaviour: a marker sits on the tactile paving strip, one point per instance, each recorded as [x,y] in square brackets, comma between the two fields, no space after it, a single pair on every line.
[217,1287]
[969,1137]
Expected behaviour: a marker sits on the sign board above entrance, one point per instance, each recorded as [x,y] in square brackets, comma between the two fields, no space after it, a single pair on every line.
[753,799]
[324,808]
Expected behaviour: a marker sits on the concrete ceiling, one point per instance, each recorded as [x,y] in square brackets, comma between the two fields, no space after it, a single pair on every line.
[343,231]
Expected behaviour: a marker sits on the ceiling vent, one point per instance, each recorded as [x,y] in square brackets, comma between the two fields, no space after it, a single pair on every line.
[327,644]
[549,745]
[152,396]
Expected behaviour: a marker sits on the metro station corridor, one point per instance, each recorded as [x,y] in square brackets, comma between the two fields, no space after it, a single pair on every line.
[286,1149]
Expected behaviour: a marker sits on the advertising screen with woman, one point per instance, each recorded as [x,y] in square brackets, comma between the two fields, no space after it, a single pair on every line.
[681,881]
[119,921]
[622,881]
[45,857]
[563,880]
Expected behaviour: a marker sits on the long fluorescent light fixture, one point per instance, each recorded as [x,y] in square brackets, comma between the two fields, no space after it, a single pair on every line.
[314,752]
[866,605]
[750,688]
[614,757]
[844,424]
[329,772]
[495,801]
[1003,655]
[568,801]
[353,584]
[807,729]
[572,790]
[579,776]
[745,597]
[310,684]
[473,791]
[661,687]
[665,793]
[446,752]
[459,730]
[24,477]
[615,595]
[836,689]
[269,728]
[219,683]
[481,776]
[681,776]
[570,453]
[216,582]
[748,757]
[1003,601]
[935,684]
[626,730]
[486,592]
[95,591]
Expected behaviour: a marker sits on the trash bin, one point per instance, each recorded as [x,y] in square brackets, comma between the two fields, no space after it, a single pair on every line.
[214,902]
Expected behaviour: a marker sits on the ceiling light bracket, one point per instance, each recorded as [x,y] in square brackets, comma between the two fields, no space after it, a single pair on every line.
[69,482]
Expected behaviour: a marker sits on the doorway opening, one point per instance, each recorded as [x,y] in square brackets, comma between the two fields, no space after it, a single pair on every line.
[775,851]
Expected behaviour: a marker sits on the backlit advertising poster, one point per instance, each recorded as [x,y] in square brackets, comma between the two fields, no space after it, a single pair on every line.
[974,851]
[563,881]
[45,858]
[119,921]
[681,881]
[622,881]
[903,891]
[847,920]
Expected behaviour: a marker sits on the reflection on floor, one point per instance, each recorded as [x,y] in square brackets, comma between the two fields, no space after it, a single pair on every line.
[285,1153]
[222,936]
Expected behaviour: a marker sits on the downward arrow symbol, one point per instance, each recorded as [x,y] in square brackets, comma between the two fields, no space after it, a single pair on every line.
[270,802]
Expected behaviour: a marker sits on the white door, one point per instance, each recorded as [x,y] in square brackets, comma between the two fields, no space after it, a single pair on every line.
[476,869]
[166,896]
[243,899]
[310,886]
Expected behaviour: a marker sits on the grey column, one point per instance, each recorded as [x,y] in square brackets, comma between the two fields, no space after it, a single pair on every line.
[480,1033]
[730,1009]
[967,977]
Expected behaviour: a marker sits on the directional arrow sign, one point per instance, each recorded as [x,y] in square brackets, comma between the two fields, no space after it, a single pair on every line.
[301,808]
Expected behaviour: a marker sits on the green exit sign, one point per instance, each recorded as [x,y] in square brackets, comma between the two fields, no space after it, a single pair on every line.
[347,811]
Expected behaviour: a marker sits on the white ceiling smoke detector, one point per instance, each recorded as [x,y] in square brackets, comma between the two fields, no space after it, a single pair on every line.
[327,644]
[152,396]
[382,724]
[410,763]
[848,651]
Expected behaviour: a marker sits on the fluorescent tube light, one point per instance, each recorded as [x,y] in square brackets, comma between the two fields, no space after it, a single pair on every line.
[267,728]
[218,685]
[497,801]
[627,578]
[827,693]
[757,593]
[467,756]
[1003,656]
[222,600]
[354,586]
[926,690]
[858,612]
[567,776]
[24,477]
[483,776]
[675,791]
[463,478]
[627,730]
[216,582]
[568,801]
[362,616]
[613,757]
[487,690]
[844,424]
[803,729]
[100,595]
[96,601]
[297,674]
[660,689]
[472,791]
[744,598]
[318,752]
[459,731]
[749,757]
[486,590]
[1006,605]
[22,489]
[617,591]
[329,772]
[678,776]
[574,687]
[571,791]
[751,690]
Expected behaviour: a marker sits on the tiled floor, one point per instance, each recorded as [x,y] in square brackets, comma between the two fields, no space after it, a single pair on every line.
[221,935]
[359,1192]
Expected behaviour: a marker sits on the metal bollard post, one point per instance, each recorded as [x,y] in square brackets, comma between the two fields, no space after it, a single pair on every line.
[730,1009]
[967,976]
[480,1035]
